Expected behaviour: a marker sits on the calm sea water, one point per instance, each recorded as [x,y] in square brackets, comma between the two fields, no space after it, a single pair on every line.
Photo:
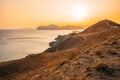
[15,44]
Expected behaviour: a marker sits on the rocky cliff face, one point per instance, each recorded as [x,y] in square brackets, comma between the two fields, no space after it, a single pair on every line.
[91,35]
[93,54]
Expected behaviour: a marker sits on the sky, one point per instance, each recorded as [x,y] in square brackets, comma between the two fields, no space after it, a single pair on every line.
[32,13]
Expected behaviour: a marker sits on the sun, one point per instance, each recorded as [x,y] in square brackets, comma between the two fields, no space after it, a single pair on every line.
[79,12]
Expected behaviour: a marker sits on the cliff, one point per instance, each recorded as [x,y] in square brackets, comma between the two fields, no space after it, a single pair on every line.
[93,54]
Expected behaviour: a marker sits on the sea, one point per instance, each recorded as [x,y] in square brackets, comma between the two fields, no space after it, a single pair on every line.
[16,44]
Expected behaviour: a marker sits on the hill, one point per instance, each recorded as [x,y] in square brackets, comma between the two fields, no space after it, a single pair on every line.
[93,54]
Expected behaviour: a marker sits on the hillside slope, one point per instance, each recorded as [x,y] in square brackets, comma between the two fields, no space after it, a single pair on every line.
[93,54]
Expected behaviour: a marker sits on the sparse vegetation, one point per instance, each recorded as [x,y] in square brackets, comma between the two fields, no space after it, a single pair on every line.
[104,68]
[98,53]
[112,53]
[62,63]
[72,59]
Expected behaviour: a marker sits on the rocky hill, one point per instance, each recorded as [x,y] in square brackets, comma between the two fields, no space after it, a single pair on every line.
[93,54]
[102,25]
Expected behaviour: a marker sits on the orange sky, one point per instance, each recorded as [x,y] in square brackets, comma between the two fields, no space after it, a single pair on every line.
[32,13]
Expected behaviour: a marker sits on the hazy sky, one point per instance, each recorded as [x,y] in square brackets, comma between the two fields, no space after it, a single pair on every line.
[31,13]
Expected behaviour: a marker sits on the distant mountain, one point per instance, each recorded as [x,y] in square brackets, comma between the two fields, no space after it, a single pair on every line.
[55,27]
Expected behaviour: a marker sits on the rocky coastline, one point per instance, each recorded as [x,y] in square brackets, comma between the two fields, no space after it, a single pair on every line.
[93,54]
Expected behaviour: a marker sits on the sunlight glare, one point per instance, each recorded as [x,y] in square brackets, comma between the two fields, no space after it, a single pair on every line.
[79,13]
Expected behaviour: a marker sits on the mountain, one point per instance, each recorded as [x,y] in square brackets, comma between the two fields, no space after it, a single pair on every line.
[55,27]
[93,54]
[102,25]
[49,27]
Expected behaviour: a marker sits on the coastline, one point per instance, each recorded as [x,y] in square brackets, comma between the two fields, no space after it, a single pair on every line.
[25,42]
[91,54]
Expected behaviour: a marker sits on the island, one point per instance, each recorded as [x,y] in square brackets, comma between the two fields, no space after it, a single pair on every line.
[55,27]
